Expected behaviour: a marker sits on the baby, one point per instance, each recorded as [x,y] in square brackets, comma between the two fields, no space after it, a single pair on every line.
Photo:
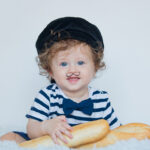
[70,51]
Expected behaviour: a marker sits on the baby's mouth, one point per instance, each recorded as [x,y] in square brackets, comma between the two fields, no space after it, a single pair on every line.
[73,79]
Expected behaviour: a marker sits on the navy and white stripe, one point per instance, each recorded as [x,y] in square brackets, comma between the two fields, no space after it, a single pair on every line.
[48,104]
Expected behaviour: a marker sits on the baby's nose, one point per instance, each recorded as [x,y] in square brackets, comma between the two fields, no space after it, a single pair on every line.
[73,69]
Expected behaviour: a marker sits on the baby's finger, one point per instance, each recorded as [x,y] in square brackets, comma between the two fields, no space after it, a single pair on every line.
[54,138]
[61,137]
[62,118]
[67,126]
[66,132]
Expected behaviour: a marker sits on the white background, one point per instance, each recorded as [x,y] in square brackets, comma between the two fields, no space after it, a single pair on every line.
[125,26]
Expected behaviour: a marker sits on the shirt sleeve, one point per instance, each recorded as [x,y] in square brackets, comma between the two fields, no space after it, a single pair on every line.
[40,109]
[109,116]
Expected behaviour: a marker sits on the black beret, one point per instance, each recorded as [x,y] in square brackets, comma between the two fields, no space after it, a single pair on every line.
[69,28]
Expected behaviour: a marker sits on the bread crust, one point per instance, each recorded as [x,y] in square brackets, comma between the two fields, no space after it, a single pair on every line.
[139,131]
[82,134]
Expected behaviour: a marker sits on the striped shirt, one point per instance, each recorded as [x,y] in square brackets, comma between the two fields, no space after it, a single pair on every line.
[48,105]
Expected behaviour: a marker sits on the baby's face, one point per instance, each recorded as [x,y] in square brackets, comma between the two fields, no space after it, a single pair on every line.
[73,69]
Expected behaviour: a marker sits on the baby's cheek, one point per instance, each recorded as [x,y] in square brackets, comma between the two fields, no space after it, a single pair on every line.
[88,75]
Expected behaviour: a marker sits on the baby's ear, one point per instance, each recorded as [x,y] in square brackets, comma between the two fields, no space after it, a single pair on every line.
[94,75]
[51,74]
[52,80]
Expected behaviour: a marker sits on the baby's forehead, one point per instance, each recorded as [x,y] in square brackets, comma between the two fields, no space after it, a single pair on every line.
[77,51]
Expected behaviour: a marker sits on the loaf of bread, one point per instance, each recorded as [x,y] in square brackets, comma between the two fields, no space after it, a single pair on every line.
[82,134]
[133,130]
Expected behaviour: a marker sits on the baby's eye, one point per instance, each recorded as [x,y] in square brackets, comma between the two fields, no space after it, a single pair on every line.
[81,62]
[63,64]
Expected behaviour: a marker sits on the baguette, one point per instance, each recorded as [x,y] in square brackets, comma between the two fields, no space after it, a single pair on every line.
[82,134]
[139,131]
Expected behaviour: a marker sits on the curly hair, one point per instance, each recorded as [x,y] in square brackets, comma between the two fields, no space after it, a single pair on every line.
[44,60]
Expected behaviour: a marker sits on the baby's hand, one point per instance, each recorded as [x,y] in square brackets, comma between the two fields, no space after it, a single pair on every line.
[56,127]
